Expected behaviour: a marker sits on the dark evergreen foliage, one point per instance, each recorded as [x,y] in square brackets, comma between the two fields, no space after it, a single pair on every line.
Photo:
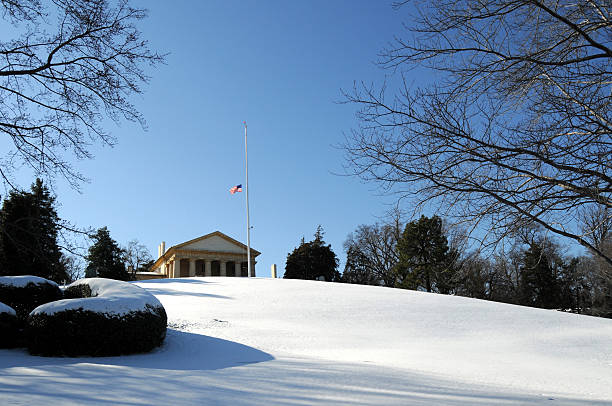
[313,260]
[28,235]
[105,258]
[424,257]
[77,291]
[78,332]
[83,332]
[538,286]
[10,331]
[26,298]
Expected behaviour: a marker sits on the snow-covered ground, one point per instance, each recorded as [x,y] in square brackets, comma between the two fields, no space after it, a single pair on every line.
[238,341]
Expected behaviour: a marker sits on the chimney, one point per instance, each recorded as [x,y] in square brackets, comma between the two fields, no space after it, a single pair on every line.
[161,249]
[273,271]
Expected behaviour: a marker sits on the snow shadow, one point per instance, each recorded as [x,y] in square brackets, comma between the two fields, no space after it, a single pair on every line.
[181,351]
[283,381]
[189,351]
[171,292]
[191,280]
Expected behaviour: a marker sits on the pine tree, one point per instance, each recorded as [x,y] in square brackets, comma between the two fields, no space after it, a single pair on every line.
[105,258]
[312,260]
[538,285]
[29,228]
[424,258]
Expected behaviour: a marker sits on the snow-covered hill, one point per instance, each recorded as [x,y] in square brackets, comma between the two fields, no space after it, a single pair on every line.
[235,341]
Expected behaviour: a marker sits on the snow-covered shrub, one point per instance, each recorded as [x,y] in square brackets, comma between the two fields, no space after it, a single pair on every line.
[104,317]
[9,327]
[77,291]
[25,293]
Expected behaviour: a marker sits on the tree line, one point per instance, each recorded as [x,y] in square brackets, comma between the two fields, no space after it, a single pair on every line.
[31,243]
[426,254]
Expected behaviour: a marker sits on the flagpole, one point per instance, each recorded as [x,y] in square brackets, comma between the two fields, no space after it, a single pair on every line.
[246,164]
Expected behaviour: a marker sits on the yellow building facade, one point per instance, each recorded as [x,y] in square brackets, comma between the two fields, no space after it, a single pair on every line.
[214,254]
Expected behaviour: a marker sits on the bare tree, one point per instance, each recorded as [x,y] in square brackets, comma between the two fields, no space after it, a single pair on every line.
[517,128]
[377,244]
[136,255]
[72,64]
[74,267]
[597,225]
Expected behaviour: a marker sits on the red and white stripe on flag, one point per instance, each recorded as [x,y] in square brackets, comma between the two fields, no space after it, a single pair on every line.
[237,188]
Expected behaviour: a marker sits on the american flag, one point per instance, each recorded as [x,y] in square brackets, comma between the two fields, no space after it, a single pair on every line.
[237,188]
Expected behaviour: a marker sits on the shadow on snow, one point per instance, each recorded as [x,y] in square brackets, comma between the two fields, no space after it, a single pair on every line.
[181,351]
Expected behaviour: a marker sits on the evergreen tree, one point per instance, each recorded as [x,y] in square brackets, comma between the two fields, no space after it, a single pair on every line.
[28,235]
[538,285]
[105,258]
[575,287]
[313,260]
[424,258]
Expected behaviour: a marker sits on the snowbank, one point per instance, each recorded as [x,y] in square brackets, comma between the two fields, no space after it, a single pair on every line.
[109,296]
[7,309]
[23,281]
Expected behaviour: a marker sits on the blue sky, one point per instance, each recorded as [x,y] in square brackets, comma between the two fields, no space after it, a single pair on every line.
[278,65]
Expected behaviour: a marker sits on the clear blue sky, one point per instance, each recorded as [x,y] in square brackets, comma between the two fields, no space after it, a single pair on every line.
[280,66]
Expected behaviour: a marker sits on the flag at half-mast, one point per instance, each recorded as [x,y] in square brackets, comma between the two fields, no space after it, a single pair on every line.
[237,188]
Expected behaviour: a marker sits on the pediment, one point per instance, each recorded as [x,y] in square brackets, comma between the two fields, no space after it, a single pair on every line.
[216,242]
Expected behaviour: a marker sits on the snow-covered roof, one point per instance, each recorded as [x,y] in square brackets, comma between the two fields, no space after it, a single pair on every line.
[7,309]
[108,296]
[22,281]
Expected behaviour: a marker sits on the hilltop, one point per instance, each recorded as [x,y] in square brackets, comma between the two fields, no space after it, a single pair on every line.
[238,341]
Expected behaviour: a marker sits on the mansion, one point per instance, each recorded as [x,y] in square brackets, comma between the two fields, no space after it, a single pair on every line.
[213,254]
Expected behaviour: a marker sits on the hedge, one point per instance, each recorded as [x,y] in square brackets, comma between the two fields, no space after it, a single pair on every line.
[71,333]
[9,327]
[89,323]
[25,293]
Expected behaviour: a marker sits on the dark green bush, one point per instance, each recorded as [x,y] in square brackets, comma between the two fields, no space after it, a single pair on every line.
[77,291]
[71,330]
[27,298]
[10,331]
[83,332]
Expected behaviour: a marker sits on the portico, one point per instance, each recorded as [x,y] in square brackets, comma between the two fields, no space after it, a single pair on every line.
[214,254]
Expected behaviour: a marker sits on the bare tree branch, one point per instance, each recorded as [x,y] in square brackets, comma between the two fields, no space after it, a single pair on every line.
[516,131]
[58,80]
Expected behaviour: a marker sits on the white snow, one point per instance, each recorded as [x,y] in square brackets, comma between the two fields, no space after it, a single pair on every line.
[7,309]
[239,341]
[22,281]
[111,297]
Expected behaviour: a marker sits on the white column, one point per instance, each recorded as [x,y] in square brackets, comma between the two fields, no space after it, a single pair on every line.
[192,267]
[176,272]
[237,268]
[207,268]
[223,268]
